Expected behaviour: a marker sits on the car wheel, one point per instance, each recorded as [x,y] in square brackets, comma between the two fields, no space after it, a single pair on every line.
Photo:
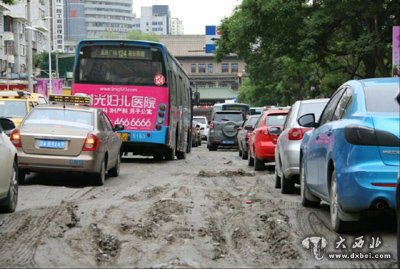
[114,172]
[305,194]
[250,160]
[100,177]
[338,225]
[244,155]
[181,155]
[258,164]
[240,152]
[277,179]
[287,185]
[22,176]
[10,203]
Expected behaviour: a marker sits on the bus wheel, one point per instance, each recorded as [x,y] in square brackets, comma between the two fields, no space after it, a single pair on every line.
[170,154]
[158,156]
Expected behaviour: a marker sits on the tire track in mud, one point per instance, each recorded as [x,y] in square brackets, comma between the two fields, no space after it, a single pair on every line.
[259,232]
[22,233]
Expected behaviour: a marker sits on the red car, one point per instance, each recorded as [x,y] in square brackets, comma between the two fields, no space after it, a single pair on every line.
[263,139]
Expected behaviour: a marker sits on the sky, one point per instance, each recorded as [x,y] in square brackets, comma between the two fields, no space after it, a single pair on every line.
[195,14]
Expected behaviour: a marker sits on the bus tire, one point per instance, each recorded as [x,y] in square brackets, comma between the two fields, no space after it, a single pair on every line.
[170,154]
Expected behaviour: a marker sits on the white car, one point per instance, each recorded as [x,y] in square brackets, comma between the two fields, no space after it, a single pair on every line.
[8,168]
[202,120]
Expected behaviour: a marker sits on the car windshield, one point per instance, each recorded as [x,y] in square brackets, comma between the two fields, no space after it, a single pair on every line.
[63,117]
[13,109]
[315,108]
[228,117]
[200,120]
[275,119]
[376,96]
[251,121]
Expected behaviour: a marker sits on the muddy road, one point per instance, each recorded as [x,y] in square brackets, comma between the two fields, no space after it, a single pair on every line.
[210,210]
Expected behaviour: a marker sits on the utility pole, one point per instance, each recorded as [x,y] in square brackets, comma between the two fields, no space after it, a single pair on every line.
[29,46]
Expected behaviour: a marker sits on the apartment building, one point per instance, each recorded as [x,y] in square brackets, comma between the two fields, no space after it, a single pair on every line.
[154,19]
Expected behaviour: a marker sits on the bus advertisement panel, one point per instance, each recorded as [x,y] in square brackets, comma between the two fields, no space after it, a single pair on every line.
[141,86]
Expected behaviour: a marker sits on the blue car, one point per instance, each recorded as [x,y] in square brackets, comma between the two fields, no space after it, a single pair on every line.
[351,157]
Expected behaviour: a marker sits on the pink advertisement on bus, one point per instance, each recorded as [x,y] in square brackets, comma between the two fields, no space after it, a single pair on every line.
[135,107]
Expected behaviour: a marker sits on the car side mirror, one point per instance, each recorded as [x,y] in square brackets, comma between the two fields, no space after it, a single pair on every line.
[7,124]
[307,120]
[119,127]
[275,130]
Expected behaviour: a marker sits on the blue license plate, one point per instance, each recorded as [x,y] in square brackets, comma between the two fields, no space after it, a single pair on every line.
[79,163]
[228,142]
[52,144]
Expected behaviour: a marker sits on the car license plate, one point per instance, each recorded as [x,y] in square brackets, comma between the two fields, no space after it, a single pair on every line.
[52,144]
[228,142]
[76,163]
[124,136]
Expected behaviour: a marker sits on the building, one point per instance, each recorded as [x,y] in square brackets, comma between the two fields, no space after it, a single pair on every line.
[176,26]
[97,18]
[215,81]
[16,24]
[155,19]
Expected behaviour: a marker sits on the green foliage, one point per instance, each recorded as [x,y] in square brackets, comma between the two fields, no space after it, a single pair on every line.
[9,2]
[293,46]
[138,35]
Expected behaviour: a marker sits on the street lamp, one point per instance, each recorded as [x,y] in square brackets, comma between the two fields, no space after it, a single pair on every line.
[29,46]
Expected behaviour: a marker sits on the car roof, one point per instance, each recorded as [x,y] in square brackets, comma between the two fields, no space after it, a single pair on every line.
[276,111]
[68,107]
[229,112]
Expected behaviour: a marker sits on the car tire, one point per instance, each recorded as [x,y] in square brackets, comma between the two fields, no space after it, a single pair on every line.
[277,179]
[259,164]
[250,160]
[338,225]
[170,154]
[180,155]
[114,172]
[244,155]
[100,177]
[240,152]
[307,199]
[10,203]
[287,185]
[22,176]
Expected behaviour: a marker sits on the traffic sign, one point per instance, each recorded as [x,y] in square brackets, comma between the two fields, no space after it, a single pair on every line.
[213,33]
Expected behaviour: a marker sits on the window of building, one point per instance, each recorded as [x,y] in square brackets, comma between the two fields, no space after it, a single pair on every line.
[234,67]
[210,68]
[193,68]
[224,68]
[202,68]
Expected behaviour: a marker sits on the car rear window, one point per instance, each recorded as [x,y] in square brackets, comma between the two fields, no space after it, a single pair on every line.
[378,95]
[275,119]
[201,120]
[13,109]
[315,108]
[252,120]
[228,117]
[70,118]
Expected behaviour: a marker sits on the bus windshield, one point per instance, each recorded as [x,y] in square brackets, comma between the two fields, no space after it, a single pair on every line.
[118,65]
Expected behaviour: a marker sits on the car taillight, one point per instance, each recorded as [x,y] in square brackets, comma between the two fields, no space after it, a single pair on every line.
[15,138]
[212,125]
[91,143]
[297,133]
[366,136]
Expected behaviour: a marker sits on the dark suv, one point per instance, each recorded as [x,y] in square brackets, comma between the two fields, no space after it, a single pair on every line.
[224,128]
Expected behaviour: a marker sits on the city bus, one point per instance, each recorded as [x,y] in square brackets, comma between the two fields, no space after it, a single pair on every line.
[141,85]
[245,108]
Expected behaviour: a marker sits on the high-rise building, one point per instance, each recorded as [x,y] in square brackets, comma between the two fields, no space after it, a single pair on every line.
[155,19]
[96,18]
[176,26]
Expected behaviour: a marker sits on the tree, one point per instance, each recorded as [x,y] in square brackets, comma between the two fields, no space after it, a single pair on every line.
[9,2]
[292,46]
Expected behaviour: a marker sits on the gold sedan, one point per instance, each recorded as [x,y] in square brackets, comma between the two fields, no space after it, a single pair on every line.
[60,137]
